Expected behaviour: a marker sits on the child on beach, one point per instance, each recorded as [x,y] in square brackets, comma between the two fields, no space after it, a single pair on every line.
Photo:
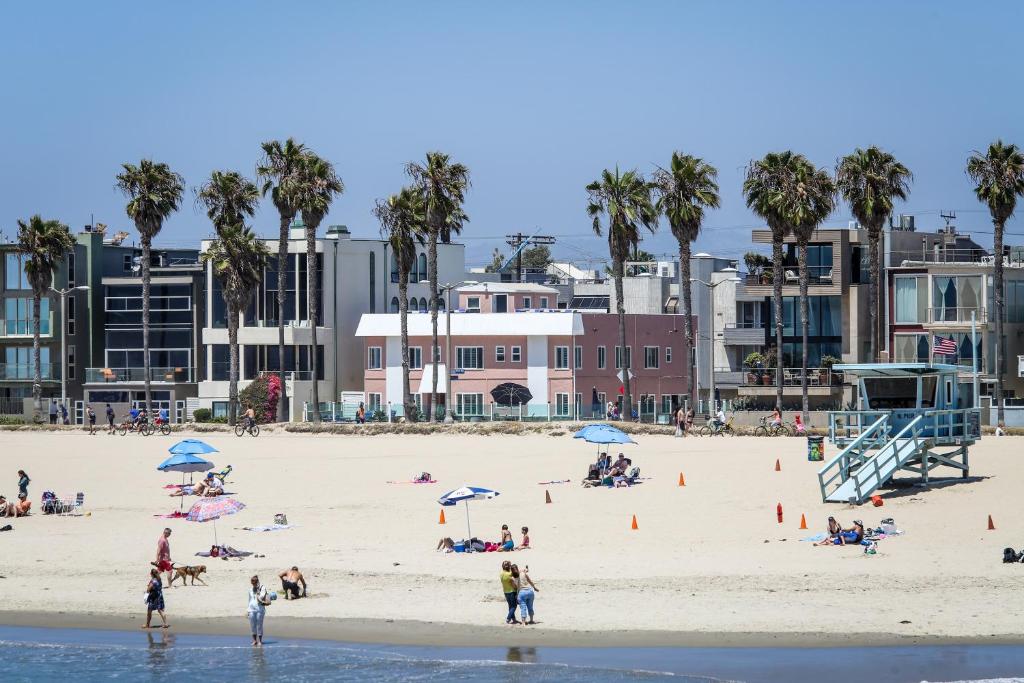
[525,545]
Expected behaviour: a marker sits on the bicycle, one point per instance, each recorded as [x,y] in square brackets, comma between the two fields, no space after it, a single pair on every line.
[128,425]
[771,429]
[726,429]
[158,424]
[241,428]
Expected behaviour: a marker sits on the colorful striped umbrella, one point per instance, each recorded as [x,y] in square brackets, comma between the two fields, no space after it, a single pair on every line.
[212,509]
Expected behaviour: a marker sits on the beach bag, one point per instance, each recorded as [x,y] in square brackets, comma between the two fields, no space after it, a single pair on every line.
[634,473]
[281,519]
[888,526]
[1010,555]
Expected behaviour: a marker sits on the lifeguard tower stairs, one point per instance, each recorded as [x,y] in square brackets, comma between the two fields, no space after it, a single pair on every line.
[912,420]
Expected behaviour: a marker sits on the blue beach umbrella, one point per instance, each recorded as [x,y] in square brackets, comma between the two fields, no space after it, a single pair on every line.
[185,462]
[603,434]
[464,494]
[191,446]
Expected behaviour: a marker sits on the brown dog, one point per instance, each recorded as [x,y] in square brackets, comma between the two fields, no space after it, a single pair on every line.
[184,573]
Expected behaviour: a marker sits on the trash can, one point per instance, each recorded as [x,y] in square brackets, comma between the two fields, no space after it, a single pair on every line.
[815,448]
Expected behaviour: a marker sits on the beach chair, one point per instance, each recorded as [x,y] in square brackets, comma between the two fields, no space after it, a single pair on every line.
[72,505]
[791,276]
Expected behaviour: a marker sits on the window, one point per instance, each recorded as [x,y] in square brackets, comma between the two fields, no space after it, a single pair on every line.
[373,358]
[499,354]
[19,363]
[578,357]
[955,297]
[394,267]
[562,405]
[544,302]
[473,304]
[910,348]
[395,306]
[668,354]
[561,358]
[422,261]
[413,305]
[373,282]
[14,268]
[437,354]
[500,303]
[618,359]
[517,354]
[911,300]
[469,357]
[71,315]
[652,356]
[373,400]
[71,268]
[415,358]
[127,263]
[71,361]
[527,302]
[470,404]
[602,357]
[18,316]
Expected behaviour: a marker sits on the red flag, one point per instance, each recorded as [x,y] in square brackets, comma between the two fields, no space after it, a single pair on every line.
[622,390]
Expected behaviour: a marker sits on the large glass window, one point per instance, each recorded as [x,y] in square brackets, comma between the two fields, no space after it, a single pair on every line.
[910,348]
[470,357]
[651,357]
[1014,301]
[14,271]
[18,316]
[955,297]
[911,300]
[886,393]
[470,404]
[19,363]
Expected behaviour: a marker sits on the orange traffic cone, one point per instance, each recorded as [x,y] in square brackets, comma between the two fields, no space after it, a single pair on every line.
[803,522]
[778,467]
[547,496]
[991,525]
[441,521]
[635,527]
[682,479]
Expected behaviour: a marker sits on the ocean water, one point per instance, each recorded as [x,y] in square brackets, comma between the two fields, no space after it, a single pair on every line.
[28,654]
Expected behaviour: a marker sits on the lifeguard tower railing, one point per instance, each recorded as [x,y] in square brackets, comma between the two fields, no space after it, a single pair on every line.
[949,427]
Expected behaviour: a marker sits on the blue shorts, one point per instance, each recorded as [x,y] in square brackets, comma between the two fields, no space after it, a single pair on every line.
[508,545]
[848,536]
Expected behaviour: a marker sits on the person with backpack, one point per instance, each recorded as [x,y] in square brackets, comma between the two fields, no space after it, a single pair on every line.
[91,415]
[110,419]
[259,598]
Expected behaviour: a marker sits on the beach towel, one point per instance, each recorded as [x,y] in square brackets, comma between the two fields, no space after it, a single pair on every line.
[226,552]
[415,481]
[816,538]
[559,481]
[270,527]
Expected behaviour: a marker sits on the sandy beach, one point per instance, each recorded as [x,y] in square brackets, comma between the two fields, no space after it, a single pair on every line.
[709,564]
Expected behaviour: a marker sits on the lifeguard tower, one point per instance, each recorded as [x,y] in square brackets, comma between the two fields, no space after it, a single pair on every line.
[911,416]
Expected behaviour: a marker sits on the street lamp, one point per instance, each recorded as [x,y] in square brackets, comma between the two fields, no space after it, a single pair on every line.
[63,294]
[711,366]
[446,289]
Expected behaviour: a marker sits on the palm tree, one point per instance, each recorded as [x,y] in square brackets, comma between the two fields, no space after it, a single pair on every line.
[238,258]
[625,198]
[807,205]
[765,187]
[278,169]
[870,180]
[685,190]
[229,198]
[443,184]
[402,219]
[998,176]
[316,185]
[154,192]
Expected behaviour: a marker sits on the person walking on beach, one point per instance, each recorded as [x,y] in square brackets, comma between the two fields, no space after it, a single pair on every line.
[680,421]
[510,589]
[23,482]
[527,592]
[163,555]
[63,414]
[258,601]
[110,419]
[154,599]
[53,411]
[91,415]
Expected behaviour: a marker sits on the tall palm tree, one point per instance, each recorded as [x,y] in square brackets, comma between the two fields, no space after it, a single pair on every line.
[808,204]
[238,258]
[625,199]
[685,190]
[998,176]
[278,169]
[154,192]
[229,198]
[402,219]
[765,187]
[443,184]
[45,244]
[315,188]
[870,180]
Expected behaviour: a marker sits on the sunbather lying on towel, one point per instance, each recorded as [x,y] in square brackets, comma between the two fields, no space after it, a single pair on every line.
[834,529]
[852,536]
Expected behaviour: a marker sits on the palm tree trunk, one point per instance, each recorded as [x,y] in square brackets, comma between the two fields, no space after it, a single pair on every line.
[997,295]
[620,309]
[282,268]
[145,315]
[804,324]
[403,312]
[311,287]
[685,294]
[432,276]
[233,361]
[873,235]
[777,301]
[37,372]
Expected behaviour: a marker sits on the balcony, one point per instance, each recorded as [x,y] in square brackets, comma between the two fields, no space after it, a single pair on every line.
[743,334]
[729,378]
[138,375]
[945,316]
[816,275]
[24,372]
[762,381]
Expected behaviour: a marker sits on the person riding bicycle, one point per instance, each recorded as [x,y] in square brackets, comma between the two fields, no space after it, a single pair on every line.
[250,417]
[133,417]
[718,421]
[164,417]
[776,420]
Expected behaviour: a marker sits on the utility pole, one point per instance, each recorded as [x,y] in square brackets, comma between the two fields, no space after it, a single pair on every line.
[518,242]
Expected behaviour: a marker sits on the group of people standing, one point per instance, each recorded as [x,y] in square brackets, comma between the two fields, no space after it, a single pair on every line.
[519,590]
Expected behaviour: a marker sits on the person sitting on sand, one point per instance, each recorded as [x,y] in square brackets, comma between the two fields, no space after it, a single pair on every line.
[290,580]
[834,529]
[852,536]
[447,544]
[213,487]
[6,509]
[619,467]
[525,545]
[506,540]
[23,505]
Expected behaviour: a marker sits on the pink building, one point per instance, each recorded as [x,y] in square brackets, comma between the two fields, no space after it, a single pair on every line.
[555,354]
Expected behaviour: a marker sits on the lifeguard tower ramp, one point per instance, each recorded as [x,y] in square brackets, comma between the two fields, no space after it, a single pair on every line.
[912,418]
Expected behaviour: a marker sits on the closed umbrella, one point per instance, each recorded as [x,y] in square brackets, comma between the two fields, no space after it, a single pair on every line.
[465,494]
[212,509]
[184,462]
[511,394]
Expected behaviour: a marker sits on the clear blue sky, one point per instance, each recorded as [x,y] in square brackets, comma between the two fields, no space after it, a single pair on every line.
[535,97]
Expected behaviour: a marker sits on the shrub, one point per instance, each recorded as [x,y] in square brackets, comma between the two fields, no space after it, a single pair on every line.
[11,420]
[262,394]
[201,415]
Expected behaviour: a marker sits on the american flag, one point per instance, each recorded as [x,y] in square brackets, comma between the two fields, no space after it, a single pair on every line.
[944,346]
